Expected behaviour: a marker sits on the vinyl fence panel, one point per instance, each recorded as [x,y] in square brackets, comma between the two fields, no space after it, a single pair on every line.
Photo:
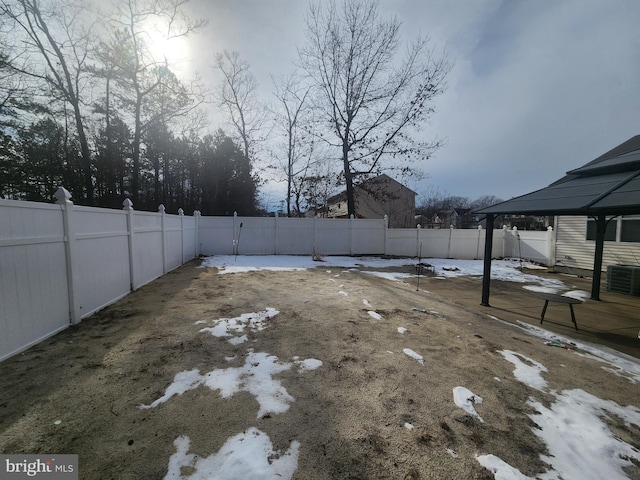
[296,236]
[146,235]
[60,263]
[255,236]
[333,236]
[216,235]
[467,244]
[402,242]
[173,241]
[368,237]
[190,244]
[34,294]
[100,244]
[436,242]
[531,245]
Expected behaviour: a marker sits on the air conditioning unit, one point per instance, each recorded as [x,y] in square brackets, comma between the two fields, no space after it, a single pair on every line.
[623,279]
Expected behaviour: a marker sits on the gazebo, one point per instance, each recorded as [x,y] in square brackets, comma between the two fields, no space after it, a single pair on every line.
[603,189]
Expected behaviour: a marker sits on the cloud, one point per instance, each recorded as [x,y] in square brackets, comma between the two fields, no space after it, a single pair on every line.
[538,88]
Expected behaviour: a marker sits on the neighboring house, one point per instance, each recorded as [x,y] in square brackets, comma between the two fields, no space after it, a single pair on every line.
[375,198]
[428,222]
[453,218]
[462,218]
[575,243]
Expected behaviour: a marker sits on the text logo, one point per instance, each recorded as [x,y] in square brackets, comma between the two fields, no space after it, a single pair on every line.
[49,467]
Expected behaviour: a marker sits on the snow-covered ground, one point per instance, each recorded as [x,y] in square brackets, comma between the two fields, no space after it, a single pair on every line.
[507,270]
[580,444]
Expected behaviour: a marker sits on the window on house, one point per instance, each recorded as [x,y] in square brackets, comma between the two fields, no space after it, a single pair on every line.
[610,233]
[620,229]
[630,228]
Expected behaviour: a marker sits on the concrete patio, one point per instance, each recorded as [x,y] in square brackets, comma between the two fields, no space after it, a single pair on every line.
[613,321]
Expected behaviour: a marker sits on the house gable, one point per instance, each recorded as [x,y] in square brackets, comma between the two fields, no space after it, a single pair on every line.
[377,197]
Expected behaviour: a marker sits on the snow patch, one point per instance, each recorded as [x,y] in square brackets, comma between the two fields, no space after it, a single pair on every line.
[466,399]
[255,377]
[415,355]
[246,455]
[254,321]
[528,371]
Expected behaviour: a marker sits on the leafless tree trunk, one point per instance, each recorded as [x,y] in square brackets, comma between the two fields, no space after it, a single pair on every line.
[371,101]
[293,120]
[238,98]
[60,40]
[145,73]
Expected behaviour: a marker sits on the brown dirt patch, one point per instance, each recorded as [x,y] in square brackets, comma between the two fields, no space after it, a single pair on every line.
[349,415]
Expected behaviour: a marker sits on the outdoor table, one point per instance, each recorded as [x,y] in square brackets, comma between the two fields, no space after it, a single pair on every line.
[554,297]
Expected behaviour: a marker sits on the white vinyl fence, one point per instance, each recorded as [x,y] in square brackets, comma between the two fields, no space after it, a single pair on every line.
[336,236]
[61,263]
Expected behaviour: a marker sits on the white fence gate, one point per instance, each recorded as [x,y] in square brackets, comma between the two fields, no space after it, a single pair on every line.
[61,263]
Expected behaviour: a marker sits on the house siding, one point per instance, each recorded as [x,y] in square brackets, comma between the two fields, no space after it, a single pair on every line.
[575,252]
[391,199]
[400,209]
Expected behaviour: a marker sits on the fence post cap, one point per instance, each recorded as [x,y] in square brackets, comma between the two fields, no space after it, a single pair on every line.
[180,212]
[127,204]
[62,195]
[196,213]
[161,208]
[549,228]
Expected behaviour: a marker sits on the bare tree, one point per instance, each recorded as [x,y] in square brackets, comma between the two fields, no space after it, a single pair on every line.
[371,102]
[485,201]
[145,74]
[295,122]
[239,99]
[52,45]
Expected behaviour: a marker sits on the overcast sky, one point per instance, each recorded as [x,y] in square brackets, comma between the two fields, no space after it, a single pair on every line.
[539,87]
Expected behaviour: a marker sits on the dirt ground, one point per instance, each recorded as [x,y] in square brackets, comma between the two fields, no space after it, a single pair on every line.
[79,392]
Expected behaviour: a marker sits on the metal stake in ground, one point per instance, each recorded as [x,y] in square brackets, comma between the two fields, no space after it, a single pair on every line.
[419,266]
[238,242]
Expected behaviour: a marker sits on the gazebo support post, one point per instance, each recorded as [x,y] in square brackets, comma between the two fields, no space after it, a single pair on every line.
[486,272]
[601,227]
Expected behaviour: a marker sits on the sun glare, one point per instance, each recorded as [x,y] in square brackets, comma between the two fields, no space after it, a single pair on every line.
[174,50]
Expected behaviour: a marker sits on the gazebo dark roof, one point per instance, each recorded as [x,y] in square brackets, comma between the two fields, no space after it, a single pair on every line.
[605,187]
[608,185]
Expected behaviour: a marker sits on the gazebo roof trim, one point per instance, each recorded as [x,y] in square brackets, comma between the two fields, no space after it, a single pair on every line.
[609,185]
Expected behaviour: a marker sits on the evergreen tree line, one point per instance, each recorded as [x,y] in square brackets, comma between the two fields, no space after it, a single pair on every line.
[92,110]
[87,101]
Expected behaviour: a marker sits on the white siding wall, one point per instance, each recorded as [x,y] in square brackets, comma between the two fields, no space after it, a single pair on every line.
[573,250]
